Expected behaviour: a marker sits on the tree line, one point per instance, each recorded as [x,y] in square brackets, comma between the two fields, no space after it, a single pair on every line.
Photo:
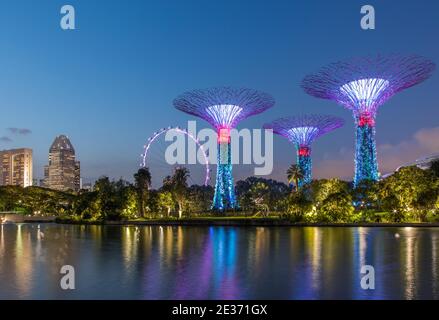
[409,195]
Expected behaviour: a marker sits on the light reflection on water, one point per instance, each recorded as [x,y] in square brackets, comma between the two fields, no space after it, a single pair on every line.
[154,262]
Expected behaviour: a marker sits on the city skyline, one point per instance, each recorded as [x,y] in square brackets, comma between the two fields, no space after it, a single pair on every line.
[68,83]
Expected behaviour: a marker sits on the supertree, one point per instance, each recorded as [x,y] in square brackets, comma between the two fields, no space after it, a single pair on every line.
[224,108]
[362,85]
[302,131]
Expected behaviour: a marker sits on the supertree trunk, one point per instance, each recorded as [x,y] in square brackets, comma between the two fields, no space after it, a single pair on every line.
[305,164]
[366,166]
[224,197]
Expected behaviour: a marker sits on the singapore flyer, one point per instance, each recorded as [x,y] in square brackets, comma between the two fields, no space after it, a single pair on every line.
[153,157]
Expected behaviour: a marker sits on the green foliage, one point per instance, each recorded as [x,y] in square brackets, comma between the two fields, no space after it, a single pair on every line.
[112,200]
[434,168]
[365,195]
[409,194]
[294,175]
[177,186]
[332,200]
[337,207]
[256,194]
[298,207]
[259,198]
[165,202]
[35,200]
[142,181]
[199,199]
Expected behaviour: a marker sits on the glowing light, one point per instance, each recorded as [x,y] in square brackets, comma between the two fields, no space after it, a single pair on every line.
[362,85]
[366,119]
[224,135]
[223,108]
[366,165]
[224,114]
[224,197]
[302,131]
[303,135]
[305,163]
[365,93]
[304,151]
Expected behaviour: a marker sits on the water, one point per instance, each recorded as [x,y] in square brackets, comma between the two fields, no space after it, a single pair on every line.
[155,262]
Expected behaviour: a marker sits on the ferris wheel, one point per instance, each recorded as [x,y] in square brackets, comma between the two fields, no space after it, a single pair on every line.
[153,156]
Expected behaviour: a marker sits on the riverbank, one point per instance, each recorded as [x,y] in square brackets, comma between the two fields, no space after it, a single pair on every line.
[21,218]
[242,222]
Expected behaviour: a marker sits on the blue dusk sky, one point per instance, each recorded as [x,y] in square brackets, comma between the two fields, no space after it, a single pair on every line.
[110,83]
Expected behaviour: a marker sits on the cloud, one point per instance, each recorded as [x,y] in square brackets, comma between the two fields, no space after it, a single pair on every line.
[390,156]
[20,131]
[5,139]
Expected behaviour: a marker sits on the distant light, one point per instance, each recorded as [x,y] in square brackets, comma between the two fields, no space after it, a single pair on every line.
[365,93]
[303,135]
[224,114]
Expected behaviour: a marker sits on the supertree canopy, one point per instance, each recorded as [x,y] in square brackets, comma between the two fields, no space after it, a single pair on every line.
[302,131]
[224,108]
[363,85]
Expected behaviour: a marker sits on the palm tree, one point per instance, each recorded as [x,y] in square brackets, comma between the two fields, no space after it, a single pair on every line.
[179,187]
[295,174]
[142,182]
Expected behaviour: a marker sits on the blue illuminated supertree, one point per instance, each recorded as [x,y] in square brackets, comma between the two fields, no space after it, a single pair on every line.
[302,131]
[363,85]
[224,108]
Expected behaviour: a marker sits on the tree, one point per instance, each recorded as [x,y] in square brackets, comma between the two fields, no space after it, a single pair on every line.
[165,202]
[337,207]
[142,183]
[410,193]
[365,195]
[105,197]
[326,195]
[295,174]
[128,201]
[434,168]
[425,203]
[114,200]
[179,187]
[297,205]
[277,192]
[319,190]
[199,198]
[260,197]
[88,206]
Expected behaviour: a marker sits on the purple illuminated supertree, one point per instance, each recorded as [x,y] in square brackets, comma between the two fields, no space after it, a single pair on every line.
[363,85]
[302,131]
[224,108]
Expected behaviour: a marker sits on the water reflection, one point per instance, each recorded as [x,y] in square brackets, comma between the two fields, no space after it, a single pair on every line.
[434,261]
[410,263]
[217,262]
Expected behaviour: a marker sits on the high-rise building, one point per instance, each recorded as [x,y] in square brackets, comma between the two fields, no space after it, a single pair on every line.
[63,171]
[16,167]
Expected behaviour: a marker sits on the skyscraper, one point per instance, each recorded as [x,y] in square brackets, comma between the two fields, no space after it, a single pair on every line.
[63,171]
[16,167]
